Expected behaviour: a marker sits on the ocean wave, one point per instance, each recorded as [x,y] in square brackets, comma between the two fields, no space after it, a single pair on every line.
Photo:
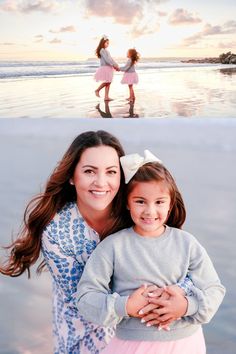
[42,69]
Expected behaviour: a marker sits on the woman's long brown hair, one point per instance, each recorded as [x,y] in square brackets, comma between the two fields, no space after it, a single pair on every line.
[25,250]
[154,171]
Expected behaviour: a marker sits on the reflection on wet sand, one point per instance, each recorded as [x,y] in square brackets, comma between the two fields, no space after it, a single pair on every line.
[228,71]
[106,112]
[187,108]
[131,114]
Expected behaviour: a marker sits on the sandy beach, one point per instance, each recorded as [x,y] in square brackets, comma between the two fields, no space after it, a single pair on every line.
[200,154]
[167,92]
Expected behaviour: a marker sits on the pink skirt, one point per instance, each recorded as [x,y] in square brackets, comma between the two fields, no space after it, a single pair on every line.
[104,73]
[130,78]
[194,344]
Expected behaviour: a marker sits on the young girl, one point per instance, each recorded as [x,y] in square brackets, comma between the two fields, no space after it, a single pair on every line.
[154,250]
[130,76]
[105,71]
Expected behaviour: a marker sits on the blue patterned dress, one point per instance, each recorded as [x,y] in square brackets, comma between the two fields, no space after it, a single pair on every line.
[67,243]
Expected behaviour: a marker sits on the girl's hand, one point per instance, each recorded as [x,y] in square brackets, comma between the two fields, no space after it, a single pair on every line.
[138,300]
[164,309]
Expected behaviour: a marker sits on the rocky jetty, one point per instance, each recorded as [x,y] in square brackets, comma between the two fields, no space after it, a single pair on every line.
[224,58]
[228,58]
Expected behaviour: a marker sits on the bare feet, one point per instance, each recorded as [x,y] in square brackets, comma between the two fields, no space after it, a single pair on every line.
[108,99]
[97,93]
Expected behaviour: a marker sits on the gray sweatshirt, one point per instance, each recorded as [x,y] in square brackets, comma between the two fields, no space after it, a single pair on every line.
[106,58]
[125,260]
[128,67]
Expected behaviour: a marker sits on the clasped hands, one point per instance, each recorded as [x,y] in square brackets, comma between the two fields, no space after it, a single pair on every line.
[157,306]
[116,68]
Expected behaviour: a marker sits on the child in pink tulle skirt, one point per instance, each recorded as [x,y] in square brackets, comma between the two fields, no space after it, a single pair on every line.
[105,71]
[130,76]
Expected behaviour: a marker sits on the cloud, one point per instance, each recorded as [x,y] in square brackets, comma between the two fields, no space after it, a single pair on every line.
[38,38]
[162,13]
[228,27]
[55,41]
[28,6]
[7,43]
[64,29]
[183,17]
[122,11]
[230,24]
[139,30]
[227,45]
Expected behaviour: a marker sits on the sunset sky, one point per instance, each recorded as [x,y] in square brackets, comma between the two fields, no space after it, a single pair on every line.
[70,30]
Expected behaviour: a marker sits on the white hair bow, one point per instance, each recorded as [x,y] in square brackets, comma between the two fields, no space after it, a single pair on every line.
[131,163]
[105,37]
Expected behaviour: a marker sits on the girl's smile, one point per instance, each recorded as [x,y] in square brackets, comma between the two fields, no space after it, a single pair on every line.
[149,204]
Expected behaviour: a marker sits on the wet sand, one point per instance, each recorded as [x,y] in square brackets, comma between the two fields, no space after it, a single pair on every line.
[165,93]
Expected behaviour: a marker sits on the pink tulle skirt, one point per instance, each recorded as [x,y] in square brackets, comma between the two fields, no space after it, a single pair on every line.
[104,73]
[130,78]
[194,344]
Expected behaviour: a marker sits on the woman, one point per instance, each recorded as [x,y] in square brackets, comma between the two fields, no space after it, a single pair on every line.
[82,204]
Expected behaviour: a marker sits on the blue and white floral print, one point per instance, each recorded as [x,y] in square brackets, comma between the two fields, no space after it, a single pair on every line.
[67,243]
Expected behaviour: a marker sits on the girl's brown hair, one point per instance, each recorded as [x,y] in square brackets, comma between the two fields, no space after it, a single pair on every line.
[100,46]
[134,55]
[154,171]
[25,250]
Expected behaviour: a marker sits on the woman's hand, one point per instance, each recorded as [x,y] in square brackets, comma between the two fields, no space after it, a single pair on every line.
[165,306]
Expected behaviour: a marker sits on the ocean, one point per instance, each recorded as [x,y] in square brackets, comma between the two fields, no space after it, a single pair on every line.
[22,70]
